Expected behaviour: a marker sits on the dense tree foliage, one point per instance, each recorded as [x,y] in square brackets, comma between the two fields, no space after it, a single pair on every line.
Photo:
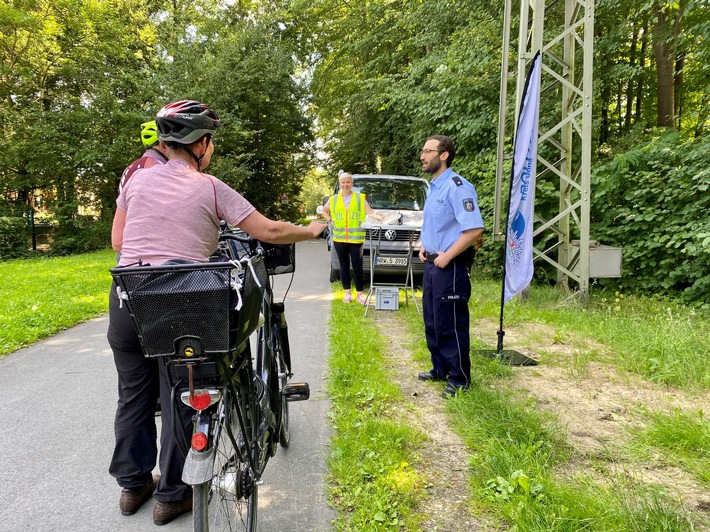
[388,73]
[80,76]
[70,84]
[371,80]
[652,200]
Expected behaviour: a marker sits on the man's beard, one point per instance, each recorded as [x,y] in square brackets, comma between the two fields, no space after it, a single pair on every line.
[433,166]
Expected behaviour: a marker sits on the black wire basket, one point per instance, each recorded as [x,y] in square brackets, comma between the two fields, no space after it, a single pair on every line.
[169,303]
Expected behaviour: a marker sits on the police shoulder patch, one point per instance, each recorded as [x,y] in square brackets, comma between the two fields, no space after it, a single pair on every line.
[468,205]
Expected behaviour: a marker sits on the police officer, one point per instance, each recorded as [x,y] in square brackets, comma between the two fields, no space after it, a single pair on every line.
[452,225]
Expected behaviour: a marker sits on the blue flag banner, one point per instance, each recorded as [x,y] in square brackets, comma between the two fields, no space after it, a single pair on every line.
[519,236]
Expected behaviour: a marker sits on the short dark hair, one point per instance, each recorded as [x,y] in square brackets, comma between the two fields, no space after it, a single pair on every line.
[445,144]
[175,145]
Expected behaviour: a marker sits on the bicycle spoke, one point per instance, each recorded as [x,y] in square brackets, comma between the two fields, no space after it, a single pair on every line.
[231,496]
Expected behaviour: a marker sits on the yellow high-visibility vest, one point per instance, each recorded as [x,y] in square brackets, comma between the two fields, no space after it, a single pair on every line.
[347,221]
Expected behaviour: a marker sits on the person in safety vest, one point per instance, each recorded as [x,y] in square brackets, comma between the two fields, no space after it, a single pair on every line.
[348,209]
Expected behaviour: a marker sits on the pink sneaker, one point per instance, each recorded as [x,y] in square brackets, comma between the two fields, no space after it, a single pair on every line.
[361,299]
[348,297]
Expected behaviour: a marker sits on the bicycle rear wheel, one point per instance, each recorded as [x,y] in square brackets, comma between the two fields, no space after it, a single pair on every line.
[229,501]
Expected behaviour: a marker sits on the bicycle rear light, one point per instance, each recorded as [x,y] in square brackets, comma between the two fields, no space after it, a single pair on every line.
[199,441]
[201,399]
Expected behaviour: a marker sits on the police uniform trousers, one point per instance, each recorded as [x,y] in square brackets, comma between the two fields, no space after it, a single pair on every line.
[446,320]
[141,381]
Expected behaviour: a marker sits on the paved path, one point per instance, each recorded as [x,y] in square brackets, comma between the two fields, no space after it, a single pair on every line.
[58,399]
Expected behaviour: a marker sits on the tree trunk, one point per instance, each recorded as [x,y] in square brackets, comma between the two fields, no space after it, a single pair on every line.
[666,32]
[665,97]
[630,82]
[642,61]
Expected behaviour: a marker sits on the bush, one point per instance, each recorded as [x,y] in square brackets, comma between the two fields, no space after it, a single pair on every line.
[81,235]
[14,237]
[653,201]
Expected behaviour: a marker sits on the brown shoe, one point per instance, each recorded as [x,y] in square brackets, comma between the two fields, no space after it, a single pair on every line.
[164,512]
[133,498]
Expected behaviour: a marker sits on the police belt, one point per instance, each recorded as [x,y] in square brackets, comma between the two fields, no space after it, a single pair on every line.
[465,256]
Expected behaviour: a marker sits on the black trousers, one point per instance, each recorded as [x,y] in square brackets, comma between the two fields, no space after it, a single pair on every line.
[140,382]
[350,253]
[446,320]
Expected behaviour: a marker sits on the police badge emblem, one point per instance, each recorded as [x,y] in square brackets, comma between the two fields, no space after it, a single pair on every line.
[468,205]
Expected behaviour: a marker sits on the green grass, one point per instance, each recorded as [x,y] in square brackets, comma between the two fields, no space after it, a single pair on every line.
[516,453]
[521,476]
[682,439]
[41,296]
[663,341]
[372,482]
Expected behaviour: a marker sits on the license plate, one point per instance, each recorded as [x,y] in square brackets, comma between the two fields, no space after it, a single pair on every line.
[390,261]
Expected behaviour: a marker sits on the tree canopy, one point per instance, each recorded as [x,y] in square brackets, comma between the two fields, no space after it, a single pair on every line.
[370,80]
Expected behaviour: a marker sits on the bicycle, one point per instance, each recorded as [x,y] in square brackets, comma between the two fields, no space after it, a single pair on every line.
[201,320]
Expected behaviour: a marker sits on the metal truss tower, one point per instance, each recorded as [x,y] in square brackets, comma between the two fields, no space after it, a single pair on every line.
[563,30]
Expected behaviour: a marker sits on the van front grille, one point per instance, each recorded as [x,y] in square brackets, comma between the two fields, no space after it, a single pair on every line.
[401,235]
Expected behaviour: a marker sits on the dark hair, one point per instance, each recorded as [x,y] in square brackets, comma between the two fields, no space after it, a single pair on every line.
[445,144]
[175,145]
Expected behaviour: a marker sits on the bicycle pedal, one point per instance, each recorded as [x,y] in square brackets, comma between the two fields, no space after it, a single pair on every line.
[297,391]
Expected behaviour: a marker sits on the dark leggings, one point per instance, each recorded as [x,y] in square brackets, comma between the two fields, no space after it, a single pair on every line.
[347,254]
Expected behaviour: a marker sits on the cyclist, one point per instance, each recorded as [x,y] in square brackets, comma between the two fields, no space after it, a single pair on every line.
[166,212]
[155,152]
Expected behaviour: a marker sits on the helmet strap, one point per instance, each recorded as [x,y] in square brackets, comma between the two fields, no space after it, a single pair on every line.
[198,160]
[156,150]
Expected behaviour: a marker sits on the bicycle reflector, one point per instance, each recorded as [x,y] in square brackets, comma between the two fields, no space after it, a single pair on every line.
[199,441]
[200,399]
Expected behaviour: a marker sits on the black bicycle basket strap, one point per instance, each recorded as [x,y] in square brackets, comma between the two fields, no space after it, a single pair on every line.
[173,301]
[280,258]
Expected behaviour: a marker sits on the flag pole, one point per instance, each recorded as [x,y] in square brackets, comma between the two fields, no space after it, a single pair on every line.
[513,239]
[501,331]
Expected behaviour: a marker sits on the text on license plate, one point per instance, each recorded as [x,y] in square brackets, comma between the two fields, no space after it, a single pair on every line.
[390,261]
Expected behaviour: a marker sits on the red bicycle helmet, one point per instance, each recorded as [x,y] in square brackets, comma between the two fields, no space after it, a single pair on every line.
[186,121]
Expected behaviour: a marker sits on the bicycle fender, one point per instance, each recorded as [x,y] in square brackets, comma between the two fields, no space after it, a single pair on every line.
[198,467]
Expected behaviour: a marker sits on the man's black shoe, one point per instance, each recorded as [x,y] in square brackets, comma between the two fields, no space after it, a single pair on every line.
[450,390]
[430,376]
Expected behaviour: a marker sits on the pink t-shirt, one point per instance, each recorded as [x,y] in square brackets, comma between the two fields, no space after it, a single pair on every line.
[173,211]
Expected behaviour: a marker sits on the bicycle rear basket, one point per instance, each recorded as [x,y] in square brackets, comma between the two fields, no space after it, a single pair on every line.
[173,301]
[280,258]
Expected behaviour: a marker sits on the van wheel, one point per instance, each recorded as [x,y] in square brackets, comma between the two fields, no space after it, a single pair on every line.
[334,275]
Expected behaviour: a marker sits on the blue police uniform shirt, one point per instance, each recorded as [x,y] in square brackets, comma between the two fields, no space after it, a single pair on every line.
[450,208]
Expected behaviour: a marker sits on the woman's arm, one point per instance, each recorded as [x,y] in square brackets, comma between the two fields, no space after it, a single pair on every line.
[326,211]
[274,232]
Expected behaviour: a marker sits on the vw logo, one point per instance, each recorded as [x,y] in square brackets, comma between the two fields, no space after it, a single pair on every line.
[391,234]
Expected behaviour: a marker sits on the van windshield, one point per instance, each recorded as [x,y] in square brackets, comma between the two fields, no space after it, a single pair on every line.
[400,194]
